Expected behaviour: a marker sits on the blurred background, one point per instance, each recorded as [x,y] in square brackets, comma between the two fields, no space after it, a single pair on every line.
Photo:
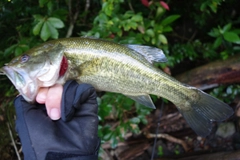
[200,39]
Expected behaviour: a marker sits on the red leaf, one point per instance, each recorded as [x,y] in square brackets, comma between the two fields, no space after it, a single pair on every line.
[145,3]
[164,5]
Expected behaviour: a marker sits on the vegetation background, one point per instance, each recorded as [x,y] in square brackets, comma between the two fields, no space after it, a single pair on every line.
[191,34]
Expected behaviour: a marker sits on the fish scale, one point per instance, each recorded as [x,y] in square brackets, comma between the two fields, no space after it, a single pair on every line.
[108,66]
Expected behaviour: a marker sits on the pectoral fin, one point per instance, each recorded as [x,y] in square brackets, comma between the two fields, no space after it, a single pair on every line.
[142,99]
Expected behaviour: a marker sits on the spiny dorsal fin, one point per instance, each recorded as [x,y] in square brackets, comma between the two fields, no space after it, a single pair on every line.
[151,54]
[89,37]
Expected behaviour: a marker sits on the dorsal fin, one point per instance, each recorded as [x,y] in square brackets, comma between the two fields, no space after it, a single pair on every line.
[89,37]
[151,54]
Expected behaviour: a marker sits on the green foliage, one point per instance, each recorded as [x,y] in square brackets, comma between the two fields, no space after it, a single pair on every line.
[208,9]
[210,4]
[160,151]
[120,111]
[226,37]
[195,31]
[176,150]
[226,93]
[47,27]
[17,49]
[131,26]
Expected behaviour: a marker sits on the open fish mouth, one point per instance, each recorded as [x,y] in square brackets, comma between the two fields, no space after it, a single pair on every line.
[22,83]
[15,77]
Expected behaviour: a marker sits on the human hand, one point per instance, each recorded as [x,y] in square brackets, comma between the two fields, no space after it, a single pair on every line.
[73,136]
[51,97]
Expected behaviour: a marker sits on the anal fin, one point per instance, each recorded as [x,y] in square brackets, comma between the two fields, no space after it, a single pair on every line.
[142,99]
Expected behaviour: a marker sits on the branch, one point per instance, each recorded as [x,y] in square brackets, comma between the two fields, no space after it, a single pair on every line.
[73,18]
[169,138]
[13,142]
[213,74]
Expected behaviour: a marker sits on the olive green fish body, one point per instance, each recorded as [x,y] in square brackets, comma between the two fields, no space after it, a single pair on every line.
[112,67]
[119,69]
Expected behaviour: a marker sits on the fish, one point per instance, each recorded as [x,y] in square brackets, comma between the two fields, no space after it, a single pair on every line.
[112,67]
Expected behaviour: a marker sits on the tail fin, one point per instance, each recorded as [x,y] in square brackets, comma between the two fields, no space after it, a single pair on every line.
[204,111]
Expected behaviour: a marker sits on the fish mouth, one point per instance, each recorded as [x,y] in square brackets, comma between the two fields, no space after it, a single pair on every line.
[14,76]
[21,82]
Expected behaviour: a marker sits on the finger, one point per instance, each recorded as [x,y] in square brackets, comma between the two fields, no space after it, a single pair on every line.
[42,95]
[53,101]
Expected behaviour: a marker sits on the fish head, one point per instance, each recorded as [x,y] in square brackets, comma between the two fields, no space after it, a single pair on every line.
[38,67]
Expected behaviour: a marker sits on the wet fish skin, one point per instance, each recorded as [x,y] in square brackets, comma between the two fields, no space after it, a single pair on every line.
[112,67]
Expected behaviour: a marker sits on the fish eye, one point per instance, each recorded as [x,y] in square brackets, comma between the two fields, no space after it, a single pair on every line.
[24,58]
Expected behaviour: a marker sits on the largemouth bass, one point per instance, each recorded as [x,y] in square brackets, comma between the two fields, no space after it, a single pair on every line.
[112,67]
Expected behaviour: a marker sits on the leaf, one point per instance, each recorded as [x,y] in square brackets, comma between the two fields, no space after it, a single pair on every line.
[37,28]
[229,90]
[24,47]
[213,7]
[214,32]
[55,22]
[217,42]
[167,29]
[50,6]
[203,6]
[42,2]
[160,11]
[146,38]
[9,50]
[224,55]
[231,37]
[227,27]
[133,25]
[107,7]
[108,136]
[45,32]
[38,17]
[114,141]
[135,120]
[169,19]
[128,14]
[119,33]
[153,41]
[150,32]
[18,51]
[137,18]
[162,39]
[53,31]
